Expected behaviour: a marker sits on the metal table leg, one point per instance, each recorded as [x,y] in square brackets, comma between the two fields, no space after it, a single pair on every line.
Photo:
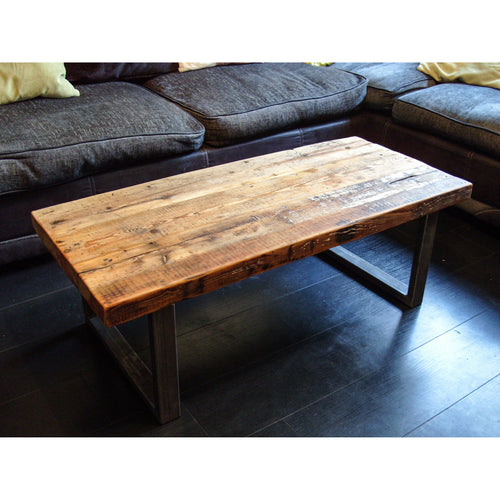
[373,277]
[158,386]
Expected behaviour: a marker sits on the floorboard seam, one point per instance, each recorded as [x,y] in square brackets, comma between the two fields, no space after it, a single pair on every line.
[38,297]
[15,398]
[367,375]
[32,342]
[447,331]
[270,425]
[264,357]
[220,320]
[452,405]
[207,434]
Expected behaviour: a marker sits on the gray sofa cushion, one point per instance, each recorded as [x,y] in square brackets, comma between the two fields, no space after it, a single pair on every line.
[49,141]
[245,101]
[468,114]
[386,81]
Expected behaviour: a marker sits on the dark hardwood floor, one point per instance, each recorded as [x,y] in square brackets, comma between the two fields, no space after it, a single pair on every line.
[302,350]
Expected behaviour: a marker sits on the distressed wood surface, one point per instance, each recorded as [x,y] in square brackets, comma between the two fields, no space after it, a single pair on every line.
[135,250]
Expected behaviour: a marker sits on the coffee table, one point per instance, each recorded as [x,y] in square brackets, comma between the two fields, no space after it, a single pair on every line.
[137,251]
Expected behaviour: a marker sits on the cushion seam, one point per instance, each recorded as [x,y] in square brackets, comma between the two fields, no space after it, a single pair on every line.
[189,134]
[397,89]
[17,238]
[442,115]
[412,83]
[200,113]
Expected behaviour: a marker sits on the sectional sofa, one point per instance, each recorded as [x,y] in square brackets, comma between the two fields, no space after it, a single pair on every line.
[136,122]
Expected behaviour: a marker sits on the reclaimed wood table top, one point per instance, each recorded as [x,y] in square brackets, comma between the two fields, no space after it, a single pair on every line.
[133,251]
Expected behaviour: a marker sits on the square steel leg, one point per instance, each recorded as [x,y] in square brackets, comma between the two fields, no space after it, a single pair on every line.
[383,283]
[158,386]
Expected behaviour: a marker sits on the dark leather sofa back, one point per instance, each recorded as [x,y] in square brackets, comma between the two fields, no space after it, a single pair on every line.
[108,72]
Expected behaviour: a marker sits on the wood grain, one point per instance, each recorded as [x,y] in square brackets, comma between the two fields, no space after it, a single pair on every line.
[135,250]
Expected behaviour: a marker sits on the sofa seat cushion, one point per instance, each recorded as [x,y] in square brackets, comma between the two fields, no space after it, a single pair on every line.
[244,101]
[46,141]
[463,113]
[386,81]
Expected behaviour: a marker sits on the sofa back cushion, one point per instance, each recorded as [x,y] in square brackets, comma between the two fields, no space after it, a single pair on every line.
[245,101]
[387,81]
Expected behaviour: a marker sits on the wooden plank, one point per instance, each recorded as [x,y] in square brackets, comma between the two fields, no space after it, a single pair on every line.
[133,251]
[200,209]
[193,185]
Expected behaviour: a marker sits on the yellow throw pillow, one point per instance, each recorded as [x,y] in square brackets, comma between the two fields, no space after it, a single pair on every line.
[21,81]
[484,74]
